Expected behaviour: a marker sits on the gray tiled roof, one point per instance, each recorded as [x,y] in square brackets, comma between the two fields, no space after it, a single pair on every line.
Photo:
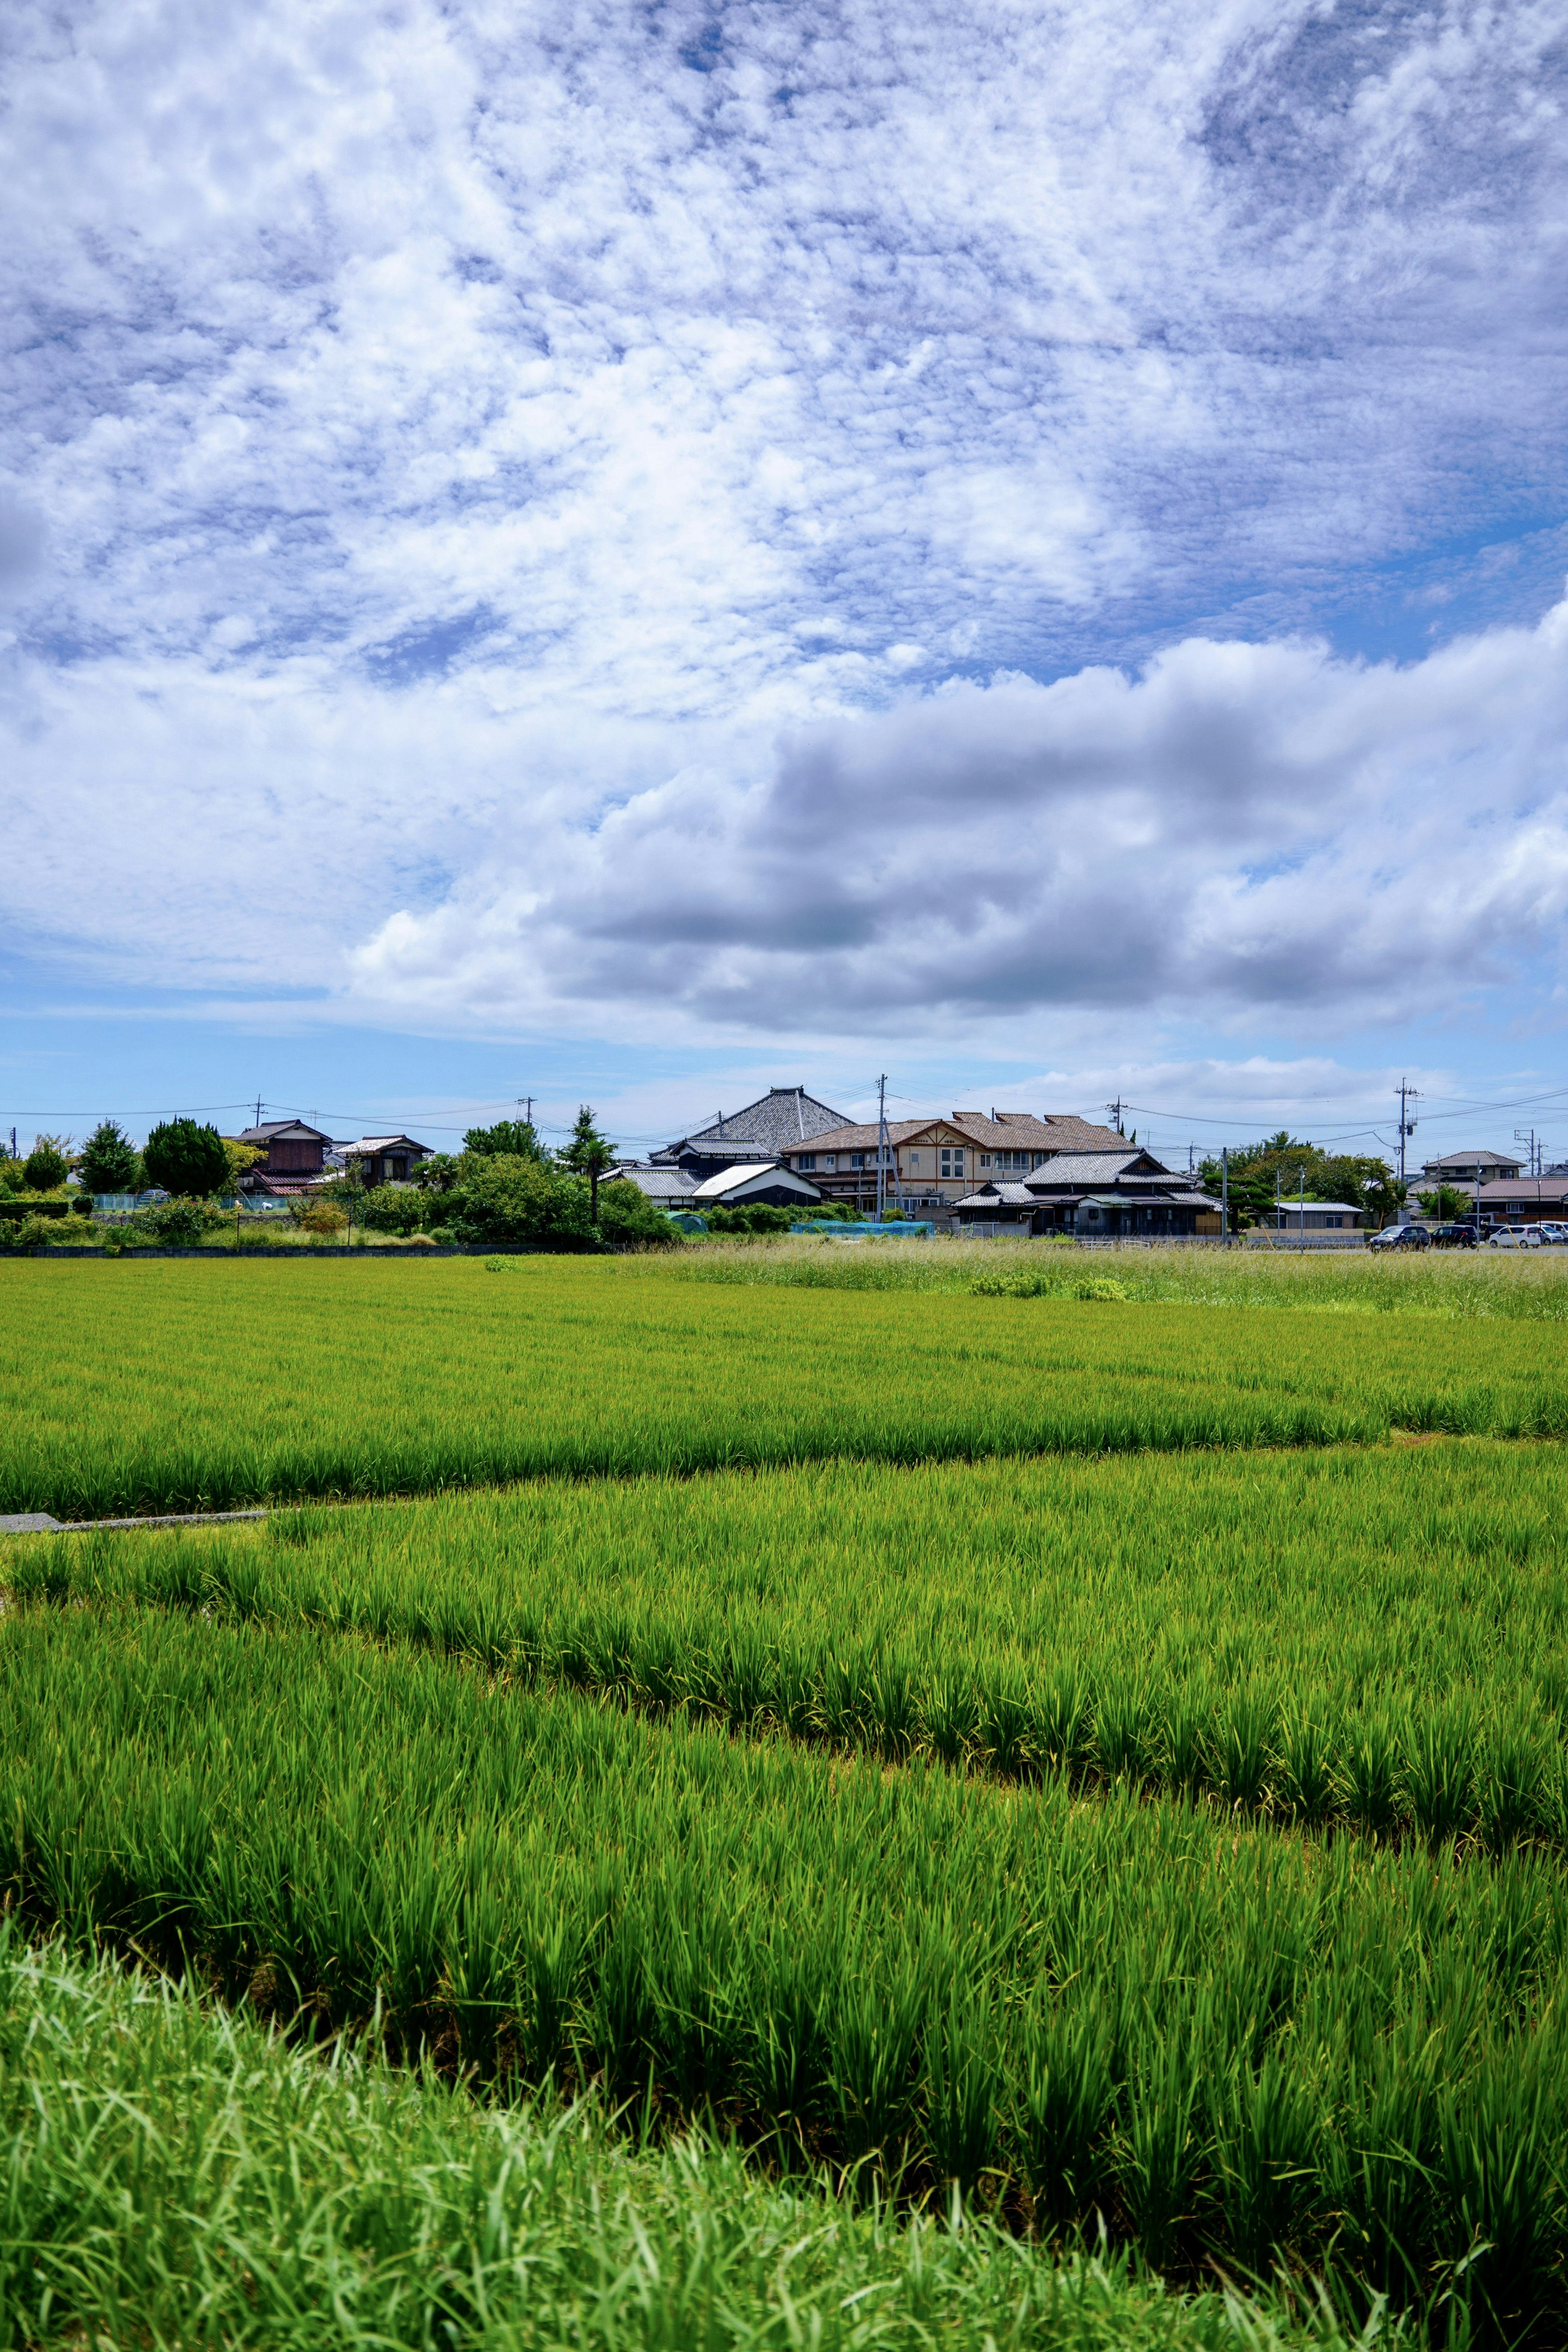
[1100,1168]
[779,1121]
[658,1183]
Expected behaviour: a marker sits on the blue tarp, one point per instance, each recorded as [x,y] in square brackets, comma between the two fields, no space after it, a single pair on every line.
[863,1232]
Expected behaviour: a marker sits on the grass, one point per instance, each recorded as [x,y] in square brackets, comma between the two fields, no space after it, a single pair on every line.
[1529,1287]
[1373,1637]
[1229,2044]
[170,1386]
[186,2180]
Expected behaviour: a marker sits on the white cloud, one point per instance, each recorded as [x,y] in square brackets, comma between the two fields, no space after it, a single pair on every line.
[488,492]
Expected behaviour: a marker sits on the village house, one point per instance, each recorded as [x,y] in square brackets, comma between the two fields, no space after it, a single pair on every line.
[384,1159]
[769,1185]
[1473,1167]
[770,1128]
[296,1159]
[1093,1195]
[936,1163]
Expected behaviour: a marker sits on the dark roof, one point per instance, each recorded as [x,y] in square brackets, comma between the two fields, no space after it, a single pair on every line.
[1460,1159]
[1131,1163]
[1544,1189]
[290,1128]
[779,1121]
[1011,1131]
[658,1183]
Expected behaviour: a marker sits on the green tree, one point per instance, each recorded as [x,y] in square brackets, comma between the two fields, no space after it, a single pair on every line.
[501,1198]
[588,1154]
[187,1160]
[109,1161]
[627,1214]
[1445,1203]
[46,1164]
[509,1138]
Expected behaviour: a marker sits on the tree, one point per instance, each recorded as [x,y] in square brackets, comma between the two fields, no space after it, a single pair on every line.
[109,1161]
[46,1166]
[1445,1203]
[588,1154]
[187,1160]
[509,1138]
[240,1157]
[627,1214]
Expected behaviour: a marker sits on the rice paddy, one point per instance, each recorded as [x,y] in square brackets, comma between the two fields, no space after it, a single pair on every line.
[785,1763]
[174,1386]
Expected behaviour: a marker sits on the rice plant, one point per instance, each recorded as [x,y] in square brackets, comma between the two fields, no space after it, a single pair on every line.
[1225,2045]
[1376,1638]
[174,1386]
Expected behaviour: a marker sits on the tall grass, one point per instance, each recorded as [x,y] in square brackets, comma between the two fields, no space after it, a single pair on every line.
[1226,2042]
[1372,1637]
[1531,1287]
[181,2177]
[172,1386]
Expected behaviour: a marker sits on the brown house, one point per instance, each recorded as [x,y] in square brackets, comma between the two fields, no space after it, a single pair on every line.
[937,1162]
[296,1156]
[385,1158]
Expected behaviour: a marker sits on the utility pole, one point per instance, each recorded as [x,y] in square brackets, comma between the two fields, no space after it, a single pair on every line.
[258,1111]
[1116,1109]
[885,1154]
[1301,1211]
[525,1105]
[1407,1094]
[1224,1192]
[1279,1213]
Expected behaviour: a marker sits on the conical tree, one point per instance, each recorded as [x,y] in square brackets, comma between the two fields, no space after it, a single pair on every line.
[588,1154]
[185,1158]
[109,1161]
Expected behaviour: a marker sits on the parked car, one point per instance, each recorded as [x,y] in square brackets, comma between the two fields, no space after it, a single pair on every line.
[1553,1235]
[1455,1237]
[1515,1237]
[1401,1237]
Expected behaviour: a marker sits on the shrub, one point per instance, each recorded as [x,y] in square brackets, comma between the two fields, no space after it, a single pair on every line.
[187,1160]
[503,1198]
[176,1225]
[627,1214]
[45,1165]
[13,1176]
[323,1217]
[395,1209]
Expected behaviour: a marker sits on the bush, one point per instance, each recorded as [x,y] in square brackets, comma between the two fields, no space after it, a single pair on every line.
[323,1217]
[506,1199]
[176,1224]
[45,1165]
[13,1176]
[627,1215]
[187,1160]
[395,1209]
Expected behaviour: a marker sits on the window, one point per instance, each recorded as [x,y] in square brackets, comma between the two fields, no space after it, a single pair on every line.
[831,1162]
[807,1160]
[985,1159]
[913,1160]
[953,1162]
[858,1159]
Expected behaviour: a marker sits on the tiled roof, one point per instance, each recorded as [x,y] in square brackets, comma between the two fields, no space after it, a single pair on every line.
[658,1183]
[733,1179]
[1102,1168]
[385,1143]
[1013,1130]
[272,1128]
[1547,1190]
[781,1120]
[1000,1196]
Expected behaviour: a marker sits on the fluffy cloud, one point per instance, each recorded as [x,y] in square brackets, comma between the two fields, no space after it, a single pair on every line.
[551,518]
[1241,830]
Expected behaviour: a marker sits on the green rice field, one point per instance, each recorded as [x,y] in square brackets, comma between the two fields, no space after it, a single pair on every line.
[129,1388]
[767,1798]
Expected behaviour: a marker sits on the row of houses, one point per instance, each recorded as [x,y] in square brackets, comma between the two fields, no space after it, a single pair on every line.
[1010,1171]
[301,1158]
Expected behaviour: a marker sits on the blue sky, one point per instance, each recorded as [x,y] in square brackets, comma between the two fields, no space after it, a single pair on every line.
[640,553]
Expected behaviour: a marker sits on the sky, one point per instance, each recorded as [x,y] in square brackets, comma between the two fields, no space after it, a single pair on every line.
[638,553]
